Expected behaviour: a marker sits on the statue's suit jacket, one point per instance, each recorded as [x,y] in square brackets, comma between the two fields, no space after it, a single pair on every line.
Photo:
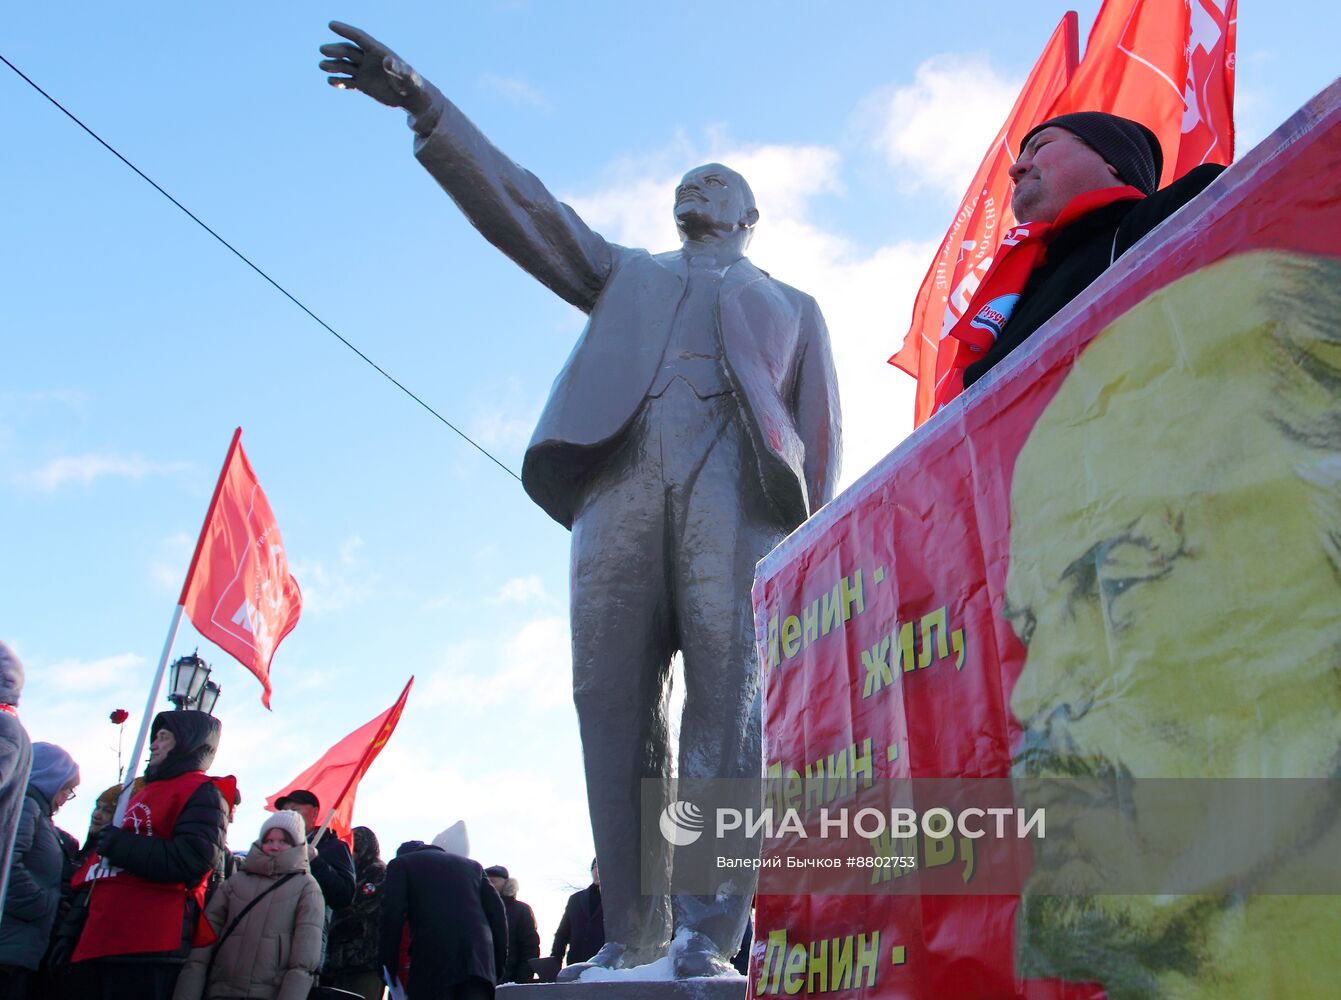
[775,344]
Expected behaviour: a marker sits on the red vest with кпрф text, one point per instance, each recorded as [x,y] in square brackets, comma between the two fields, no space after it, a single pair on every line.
[130,915]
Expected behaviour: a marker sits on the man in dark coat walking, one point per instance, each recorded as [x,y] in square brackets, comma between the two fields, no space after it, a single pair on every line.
[458,930]
[582,930]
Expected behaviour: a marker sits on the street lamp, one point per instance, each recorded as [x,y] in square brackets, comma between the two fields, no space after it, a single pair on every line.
[188,678]
[209,697]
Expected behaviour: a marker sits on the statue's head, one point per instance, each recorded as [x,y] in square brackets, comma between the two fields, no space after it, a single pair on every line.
[713,202]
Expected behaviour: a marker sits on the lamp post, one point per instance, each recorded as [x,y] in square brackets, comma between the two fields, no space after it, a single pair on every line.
[189,676]
[209,696]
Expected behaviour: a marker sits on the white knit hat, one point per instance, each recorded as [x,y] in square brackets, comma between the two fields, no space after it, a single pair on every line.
[288,821]
[454,839]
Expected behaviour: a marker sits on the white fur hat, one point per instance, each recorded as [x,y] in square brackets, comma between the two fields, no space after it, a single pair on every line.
[288,821]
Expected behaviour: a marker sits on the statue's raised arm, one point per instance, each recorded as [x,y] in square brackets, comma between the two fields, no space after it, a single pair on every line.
[509,205]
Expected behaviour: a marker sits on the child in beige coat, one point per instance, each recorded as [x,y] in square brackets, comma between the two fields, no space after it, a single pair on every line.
[275,949]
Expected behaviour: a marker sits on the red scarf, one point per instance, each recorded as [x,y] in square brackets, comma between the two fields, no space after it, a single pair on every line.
[9,709]
[1024,247]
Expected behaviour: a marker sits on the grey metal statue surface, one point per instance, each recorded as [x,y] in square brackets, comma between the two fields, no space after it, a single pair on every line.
[694,425]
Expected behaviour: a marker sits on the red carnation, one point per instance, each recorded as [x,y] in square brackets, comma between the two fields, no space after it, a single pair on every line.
[119,715]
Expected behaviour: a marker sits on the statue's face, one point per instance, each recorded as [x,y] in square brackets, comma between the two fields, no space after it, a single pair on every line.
[711,199]
[1171,580]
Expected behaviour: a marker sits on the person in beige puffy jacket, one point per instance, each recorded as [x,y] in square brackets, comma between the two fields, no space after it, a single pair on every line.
[275,951]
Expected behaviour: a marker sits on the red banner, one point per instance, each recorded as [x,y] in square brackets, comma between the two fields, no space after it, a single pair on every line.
[335,777]
[973,238]
[239,593]
[1121,559]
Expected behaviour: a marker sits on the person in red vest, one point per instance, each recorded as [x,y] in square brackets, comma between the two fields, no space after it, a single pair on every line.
[144,911]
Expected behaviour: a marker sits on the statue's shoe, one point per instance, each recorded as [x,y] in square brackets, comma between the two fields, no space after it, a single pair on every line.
[695,956]
[611,956]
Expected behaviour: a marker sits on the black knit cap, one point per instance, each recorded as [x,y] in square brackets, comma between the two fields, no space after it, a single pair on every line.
[1127,146]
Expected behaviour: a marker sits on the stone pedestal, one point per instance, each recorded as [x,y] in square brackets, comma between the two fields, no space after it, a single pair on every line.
[726,988]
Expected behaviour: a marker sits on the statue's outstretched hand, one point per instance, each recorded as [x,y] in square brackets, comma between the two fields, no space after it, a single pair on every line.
[363,63]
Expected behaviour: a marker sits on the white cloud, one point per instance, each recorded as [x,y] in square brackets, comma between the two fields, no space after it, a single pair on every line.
[168,568]
[523,590]
[99,674]
[83,469]
[328,586]
[529,670]
[507,422]
[517,91]
[935,130]
[73,399]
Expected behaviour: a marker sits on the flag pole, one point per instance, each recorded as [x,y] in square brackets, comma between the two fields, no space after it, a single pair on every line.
[123,800]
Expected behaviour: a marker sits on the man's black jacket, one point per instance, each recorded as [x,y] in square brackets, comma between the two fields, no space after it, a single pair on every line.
[333,868]
[458,929]
[1083,251]
[582,930]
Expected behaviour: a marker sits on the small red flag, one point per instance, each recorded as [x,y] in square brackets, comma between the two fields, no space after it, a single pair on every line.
[239,593]
[335,777]
[984,215]
[1168,64]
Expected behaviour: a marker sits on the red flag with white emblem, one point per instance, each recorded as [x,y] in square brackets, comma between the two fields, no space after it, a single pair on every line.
[334,779]
[1168,64]
[239,593]
[984,215]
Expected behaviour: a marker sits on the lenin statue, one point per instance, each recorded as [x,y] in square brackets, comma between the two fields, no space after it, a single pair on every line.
[694,425]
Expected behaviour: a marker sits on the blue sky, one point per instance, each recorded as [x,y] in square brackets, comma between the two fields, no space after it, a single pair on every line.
[132,344]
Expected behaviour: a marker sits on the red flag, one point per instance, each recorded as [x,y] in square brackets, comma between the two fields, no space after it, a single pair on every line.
[335,777]
[238,592]
[1168,64]
[984,215]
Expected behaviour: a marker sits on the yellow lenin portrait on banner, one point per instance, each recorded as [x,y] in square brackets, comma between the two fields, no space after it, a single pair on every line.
[1175,574]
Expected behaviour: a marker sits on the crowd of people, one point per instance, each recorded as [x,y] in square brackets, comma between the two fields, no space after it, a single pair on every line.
[156,907]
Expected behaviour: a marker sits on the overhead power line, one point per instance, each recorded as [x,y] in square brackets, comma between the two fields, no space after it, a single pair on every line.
[273,283]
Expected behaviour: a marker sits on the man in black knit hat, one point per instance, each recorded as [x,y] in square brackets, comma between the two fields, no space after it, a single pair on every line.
[1086,189]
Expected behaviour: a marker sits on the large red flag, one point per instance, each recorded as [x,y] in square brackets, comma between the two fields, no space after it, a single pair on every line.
[984,215]
[239,593]
[1168,64]
[335,777]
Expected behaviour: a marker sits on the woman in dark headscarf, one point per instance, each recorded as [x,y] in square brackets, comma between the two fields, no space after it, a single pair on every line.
[351,958]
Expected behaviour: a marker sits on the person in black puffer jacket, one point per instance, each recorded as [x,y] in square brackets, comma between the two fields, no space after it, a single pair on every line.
[144,912]
[34,891]
[351,956]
